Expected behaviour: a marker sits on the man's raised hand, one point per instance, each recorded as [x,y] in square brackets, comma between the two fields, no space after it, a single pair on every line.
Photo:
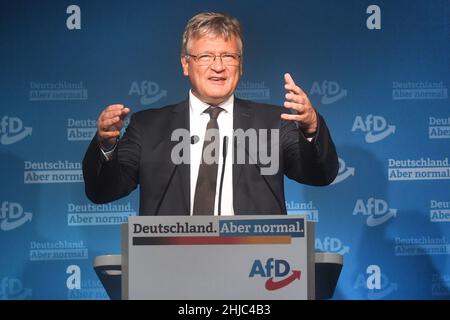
[298,101]
[109,124]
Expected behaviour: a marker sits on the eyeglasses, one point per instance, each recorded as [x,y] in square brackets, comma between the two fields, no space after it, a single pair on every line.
[207,59]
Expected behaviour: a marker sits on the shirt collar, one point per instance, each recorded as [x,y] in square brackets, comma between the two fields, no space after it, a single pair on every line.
[197,106]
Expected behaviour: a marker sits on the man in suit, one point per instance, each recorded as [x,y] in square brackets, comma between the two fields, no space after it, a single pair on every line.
[212,59]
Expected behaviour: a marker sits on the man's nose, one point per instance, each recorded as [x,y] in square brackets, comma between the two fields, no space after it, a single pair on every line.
[217,64]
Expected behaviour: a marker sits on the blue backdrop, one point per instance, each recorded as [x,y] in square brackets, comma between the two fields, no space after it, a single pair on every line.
[378,74]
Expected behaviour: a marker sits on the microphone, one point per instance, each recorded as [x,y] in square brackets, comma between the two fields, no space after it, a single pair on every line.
[224,156]
[194,139]
[167,185]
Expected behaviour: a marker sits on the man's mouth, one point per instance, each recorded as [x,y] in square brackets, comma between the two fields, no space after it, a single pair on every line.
[218,80]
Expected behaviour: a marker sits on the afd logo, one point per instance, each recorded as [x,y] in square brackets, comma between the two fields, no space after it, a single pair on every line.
[12,216]
[148,91]
[331,245]
[12,130]
[344,172]
[274,268]
[375,127]
[329,90]
[12,289]
[376,282]
[376,210]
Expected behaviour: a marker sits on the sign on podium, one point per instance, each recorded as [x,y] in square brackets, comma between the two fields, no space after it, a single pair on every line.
[210,257]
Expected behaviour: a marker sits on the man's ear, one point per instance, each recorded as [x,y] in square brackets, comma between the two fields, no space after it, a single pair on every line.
[185,66]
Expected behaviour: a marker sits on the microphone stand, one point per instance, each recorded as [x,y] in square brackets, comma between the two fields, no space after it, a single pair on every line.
[224,155]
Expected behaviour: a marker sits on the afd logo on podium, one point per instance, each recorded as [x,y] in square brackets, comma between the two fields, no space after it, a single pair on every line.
[277,273]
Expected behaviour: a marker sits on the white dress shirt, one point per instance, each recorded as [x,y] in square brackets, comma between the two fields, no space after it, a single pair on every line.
[198,122]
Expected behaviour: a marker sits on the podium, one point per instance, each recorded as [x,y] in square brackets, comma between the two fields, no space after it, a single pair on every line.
[219,258]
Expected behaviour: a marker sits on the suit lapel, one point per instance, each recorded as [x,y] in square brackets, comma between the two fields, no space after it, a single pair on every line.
[242,119]
[180,120]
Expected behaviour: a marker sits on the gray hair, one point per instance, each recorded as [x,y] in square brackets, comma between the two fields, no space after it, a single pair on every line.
[211,23]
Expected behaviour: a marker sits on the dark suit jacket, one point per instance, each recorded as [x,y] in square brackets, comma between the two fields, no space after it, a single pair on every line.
[143,157]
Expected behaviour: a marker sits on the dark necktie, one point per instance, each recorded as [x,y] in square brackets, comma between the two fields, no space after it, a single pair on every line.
[205,190]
